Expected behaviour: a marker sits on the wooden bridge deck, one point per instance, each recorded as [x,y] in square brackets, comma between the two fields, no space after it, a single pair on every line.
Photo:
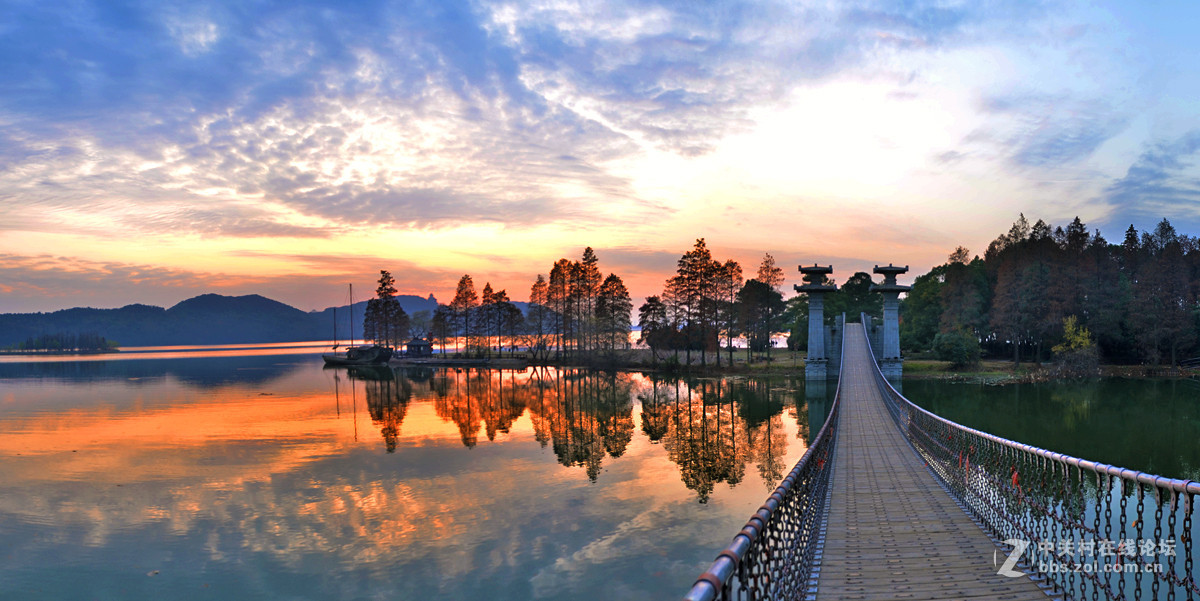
[892,531]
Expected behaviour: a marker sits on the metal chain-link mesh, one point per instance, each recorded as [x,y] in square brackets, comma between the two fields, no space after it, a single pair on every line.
[1062,506]
[1053,501]
[776,553]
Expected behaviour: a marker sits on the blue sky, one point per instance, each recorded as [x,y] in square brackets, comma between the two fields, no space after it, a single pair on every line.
[153,151]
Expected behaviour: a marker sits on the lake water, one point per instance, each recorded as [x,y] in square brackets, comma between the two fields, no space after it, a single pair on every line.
[254,474]
[1151,425]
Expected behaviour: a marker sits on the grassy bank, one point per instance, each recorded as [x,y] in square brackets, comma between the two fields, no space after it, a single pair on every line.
[785,362]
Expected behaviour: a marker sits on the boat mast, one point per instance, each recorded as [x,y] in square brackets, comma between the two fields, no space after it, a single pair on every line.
[351,315]
[335,340]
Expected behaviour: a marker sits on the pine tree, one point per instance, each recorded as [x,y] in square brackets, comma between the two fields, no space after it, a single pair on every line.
[487,316]
[730,283]
[613,307]
[558,299]
[463,306]
[768,273]
[539,324]
[656,327]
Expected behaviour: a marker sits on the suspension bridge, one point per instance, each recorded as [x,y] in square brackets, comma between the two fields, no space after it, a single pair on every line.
[893,502]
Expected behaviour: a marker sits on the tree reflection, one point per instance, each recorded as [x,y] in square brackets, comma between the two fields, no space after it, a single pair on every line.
[712,429]
[388,395]
[585,415]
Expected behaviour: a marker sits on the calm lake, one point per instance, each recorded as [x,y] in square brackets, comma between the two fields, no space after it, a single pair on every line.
[256,473]
[1151,425]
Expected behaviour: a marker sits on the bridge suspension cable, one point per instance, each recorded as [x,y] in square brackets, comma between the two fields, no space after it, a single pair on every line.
[1089,529]
[1082,529]
[775,553]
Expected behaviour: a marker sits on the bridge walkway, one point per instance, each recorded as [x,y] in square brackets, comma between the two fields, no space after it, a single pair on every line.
[892,531]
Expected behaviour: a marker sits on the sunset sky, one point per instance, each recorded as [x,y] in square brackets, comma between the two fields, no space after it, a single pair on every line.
[150,152]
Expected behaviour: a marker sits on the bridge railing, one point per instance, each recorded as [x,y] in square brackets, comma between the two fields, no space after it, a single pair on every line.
[775,553]
[1085,530]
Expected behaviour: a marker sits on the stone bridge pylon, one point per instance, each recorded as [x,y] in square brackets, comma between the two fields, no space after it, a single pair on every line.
[888,355]
[824,348]
[816,286]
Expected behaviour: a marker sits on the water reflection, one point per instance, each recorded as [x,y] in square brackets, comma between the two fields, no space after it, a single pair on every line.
[275,478]
[205,371]
[712,429]
[1142,424]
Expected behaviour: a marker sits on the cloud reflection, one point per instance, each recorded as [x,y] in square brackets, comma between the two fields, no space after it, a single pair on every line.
[537,483]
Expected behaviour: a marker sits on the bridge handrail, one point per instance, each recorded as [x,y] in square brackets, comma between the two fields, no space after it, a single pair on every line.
[771,568]
[1048,512]
[1175,484]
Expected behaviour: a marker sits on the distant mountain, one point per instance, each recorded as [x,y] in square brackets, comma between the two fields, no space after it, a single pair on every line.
[205,319]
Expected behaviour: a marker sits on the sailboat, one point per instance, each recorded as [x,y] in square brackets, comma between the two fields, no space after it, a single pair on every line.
[366,354]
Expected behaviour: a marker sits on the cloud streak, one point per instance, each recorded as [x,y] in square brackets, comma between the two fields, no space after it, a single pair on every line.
[45,282]
[1161,182]
[315,124]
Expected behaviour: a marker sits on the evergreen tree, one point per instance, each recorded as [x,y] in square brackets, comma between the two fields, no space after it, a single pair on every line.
[761,308]
[487,316]
[463,306]
[540,321]
[613,307]
[586,282]
[768,273]
[730,281]
[855,297]
[656,327]
[694,289]
[921,311]
[385,321]
[558,299]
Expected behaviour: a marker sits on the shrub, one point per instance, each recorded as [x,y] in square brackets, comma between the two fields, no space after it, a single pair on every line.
[959,347]
[1077,355]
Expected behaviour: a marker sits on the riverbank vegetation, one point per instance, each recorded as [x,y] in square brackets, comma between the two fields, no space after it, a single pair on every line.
[1043,292]
[1040,294]
[64,343]
[577,315]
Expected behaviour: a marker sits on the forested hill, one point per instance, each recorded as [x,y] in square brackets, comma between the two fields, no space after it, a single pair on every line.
[205,319]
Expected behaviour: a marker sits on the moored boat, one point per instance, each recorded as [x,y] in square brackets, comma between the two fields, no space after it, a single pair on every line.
[366,354]
[372,354]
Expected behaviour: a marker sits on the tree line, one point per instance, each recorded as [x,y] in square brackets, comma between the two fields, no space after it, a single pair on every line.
[576,312]
[1038,287]
[65,342]
[708,301]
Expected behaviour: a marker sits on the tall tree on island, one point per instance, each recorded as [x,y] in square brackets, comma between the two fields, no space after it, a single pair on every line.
[964,294]
[613,307]
[463,305]
[655,325]
[769,274]
[540,322]
[695,289]
[1164,307]
[510,320]
[730,282]
[559,301]
[585,283]
[761,312]
[487,316]
[385,321]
